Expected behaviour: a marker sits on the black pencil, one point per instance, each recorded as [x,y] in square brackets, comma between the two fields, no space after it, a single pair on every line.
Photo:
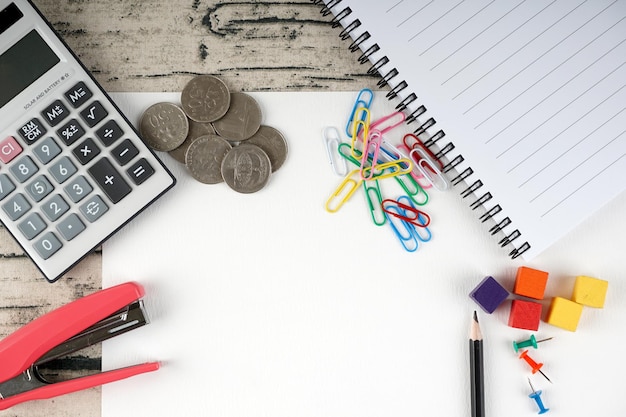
[476,369]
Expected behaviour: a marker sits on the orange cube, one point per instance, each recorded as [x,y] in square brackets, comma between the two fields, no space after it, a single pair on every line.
[530,282]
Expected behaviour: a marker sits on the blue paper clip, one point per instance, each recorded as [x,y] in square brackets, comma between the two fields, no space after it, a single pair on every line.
[332,140]
[421,233]
[375,204]
[428,169]
[413,189]
[360,102]
[406,236]
[348,186]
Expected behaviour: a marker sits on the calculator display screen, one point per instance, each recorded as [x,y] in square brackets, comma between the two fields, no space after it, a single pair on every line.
[22,64]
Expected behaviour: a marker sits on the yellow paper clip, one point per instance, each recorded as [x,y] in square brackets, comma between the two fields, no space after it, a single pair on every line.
[376,203]
[360,127]
[348,186]
[332,140]
[390,169]
[429,169]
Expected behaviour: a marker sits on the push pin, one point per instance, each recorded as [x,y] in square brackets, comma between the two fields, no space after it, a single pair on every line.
[536,367]
[526,343]
[536,395]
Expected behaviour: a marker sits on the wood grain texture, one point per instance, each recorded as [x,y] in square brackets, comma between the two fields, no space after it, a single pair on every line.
[149,45]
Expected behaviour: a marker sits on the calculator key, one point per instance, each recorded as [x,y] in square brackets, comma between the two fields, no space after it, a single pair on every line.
[9,149]
[71,132]
[63,169]
[70,227]
[32,131]
[47,150]
[94,114]
[78,189]
[32,225]
[39,188]
[109,132]
[24,169]
[55,207]
[78,95]
[6,186]
[94,208]
[140,171]
[86,151]
[47,245]
[111,181]
[125,152]
[16,206]
[55,113]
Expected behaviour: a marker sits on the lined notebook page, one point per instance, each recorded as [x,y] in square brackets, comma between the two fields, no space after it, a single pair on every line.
[531,93]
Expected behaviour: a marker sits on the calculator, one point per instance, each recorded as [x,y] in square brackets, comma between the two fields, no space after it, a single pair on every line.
[73,170]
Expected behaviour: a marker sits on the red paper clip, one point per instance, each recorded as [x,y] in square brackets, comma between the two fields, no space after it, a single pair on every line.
[407,213]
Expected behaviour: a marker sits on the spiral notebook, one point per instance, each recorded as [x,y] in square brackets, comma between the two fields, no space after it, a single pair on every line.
[523,100]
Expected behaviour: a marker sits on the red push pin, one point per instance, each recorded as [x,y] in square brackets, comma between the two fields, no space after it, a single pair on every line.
[536,367]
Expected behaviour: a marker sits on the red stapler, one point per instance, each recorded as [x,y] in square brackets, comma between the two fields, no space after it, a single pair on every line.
[74,326]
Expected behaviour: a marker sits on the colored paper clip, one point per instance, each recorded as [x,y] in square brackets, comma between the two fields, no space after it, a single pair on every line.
[422,233]
[364,123]
[361,101]
[415,173]
[371,149]
[375,204]
[348,186]
[402,230]
[332,141]
[345,151]
[390,169]
[70,328]
[408,212]
[412,142]
[415,192]
[391,152]
[428,169]
[389,122]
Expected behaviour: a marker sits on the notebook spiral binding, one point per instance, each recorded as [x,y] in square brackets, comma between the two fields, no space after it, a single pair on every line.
[398,87]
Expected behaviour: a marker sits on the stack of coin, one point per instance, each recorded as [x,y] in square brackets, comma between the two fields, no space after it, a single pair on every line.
[217,134]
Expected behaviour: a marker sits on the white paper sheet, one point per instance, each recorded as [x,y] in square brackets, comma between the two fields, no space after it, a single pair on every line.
[267,305]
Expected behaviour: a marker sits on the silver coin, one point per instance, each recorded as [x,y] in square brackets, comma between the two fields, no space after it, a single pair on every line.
[205,98]
[204,158]
[242,119]
[246,168]
[196,129]
[164,126]
[273,143]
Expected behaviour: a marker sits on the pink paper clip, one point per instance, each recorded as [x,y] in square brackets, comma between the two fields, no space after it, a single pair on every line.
[371,149]
[407,212]
[386,123]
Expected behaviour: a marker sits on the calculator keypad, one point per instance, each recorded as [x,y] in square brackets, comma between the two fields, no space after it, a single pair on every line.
[72,164]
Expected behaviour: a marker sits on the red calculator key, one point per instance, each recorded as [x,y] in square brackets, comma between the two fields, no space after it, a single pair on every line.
[9,149]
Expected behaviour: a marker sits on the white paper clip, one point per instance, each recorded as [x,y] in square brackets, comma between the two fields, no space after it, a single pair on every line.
[332,139]
[429,169]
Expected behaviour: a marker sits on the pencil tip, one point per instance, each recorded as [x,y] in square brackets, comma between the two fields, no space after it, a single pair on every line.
[475,317]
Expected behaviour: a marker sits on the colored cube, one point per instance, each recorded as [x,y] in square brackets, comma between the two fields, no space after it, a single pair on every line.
[489,294]
[564,313]
[530,282]
[590,291]
[525,314]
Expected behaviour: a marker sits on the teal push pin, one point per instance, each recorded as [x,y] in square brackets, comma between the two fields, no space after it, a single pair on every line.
[536,395]
[526,343]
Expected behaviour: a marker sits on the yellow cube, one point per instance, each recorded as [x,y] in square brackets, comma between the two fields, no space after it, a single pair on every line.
[564,313]
[590,291]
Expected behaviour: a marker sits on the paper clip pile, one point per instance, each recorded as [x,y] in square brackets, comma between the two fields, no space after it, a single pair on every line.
[374,159]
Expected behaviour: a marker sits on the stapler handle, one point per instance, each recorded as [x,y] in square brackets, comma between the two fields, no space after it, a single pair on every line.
[22,348]
[73,385]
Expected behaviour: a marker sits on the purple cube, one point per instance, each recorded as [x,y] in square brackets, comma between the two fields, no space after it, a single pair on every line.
[489,294]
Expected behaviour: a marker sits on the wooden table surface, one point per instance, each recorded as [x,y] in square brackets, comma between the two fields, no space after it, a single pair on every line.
[149,45]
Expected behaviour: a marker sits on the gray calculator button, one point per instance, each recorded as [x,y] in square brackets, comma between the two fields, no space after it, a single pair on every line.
[93,208]
[16,206]
[23,169]
[32,225]
[47,150]
[62,169]
[54,208]
[6,186]
[70,227]
[47,245]
[39,188]
[78,189]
